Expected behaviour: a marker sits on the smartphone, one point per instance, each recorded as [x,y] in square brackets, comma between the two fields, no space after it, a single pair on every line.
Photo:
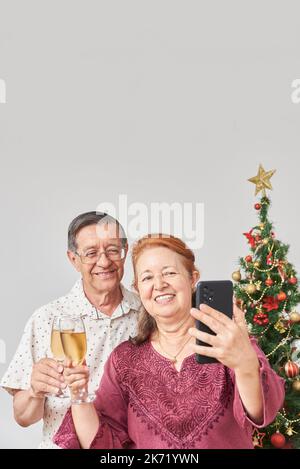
[219,295]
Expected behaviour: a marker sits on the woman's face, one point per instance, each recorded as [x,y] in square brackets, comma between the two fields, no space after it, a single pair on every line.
[164,284]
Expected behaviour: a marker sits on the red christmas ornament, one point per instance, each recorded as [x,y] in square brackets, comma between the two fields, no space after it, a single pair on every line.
[269,282]
[269,259]
[257,206]
[260,319]
[288,445]
[281,271]
[281,296]
[248,258]
[278,440]
[291,369]
[251,239]
[293,280]
[270,303]
[257,438]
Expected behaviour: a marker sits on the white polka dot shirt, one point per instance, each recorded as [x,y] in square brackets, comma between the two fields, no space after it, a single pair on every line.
[104,333]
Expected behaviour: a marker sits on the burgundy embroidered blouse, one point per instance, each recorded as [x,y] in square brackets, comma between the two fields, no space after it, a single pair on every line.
[144,402]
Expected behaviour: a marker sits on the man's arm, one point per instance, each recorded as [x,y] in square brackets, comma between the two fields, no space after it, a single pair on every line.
[28,404]
[28,408]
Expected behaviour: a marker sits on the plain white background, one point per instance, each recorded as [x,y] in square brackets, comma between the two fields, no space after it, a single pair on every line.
[165,101]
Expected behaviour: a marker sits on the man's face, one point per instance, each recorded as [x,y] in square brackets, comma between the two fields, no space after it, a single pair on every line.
[104,274]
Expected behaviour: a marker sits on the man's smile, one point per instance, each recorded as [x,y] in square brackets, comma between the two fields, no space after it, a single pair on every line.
[106,273]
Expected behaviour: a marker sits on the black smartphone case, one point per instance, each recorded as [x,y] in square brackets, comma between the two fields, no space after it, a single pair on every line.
[219,295]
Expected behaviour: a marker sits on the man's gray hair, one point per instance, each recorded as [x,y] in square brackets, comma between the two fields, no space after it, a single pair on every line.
[92,218]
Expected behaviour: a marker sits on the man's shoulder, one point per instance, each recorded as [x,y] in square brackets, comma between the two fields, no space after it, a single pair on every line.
[132,299]
[53,308]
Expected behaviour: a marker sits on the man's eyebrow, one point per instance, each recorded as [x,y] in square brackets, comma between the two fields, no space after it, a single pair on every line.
[94,246]
[89,247]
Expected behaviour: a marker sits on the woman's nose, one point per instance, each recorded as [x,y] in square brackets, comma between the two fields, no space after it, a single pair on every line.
[159,282]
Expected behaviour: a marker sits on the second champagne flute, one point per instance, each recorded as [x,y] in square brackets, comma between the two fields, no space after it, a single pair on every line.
[73,339]
[57,351]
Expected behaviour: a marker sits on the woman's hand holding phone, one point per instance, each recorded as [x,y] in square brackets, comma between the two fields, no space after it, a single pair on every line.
[231,344]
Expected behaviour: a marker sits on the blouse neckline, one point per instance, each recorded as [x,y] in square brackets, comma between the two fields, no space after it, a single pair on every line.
[168,360]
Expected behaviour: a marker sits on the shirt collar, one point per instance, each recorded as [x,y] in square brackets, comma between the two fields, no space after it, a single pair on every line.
[130,301]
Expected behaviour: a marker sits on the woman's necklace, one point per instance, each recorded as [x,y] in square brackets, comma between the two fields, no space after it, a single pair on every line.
[173,358]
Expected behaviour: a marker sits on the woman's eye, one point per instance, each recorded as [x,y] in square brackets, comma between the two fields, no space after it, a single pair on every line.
[170,273]
[146,278]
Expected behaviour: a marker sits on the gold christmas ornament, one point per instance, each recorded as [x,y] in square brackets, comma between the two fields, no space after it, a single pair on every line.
[258,285]
[296,385]
[265,241]
[295,316]
[262,180]
[256,264]
[236,276]
[280,327]
[290,431]
[251,288]
[261,226]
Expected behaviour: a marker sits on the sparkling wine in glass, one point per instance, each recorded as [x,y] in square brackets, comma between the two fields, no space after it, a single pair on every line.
[57,350]
[74,344]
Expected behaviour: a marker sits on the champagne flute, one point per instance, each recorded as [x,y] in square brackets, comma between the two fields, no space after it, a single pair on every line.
[74,345]
[57,351]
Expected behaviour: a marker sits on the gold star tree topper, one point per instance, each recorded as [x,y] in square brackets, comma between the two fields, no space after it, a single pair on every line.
[262,180]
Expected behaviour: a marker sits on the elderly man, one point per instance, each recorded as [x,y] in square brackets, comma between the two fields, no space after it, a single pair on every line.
[97,248]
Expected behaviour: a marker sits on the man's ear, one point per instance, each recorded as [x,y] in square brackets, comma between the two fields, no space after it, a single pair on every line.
[73,259]
[126,249]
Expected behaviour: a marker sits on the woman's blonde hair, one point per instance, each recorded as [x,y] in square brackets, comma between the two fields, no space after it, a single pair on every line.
[146,323]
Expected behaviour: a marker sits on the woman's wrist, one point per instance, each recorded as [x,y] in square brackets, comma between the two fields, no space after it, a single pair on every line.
[249,367]
[79,394]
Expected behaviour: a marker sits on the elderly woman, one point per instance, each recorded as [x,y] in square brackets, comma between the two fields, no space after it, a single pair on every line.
[153,393]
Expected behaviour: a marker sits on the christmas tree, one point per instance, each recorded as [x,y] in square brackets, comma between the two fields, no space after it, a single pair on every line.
[268,293]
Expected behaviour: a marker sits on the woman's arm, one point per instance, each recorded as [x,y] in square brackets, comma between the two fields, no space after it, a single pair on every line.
[85,417]
[248,366]
[102,424]
[249,387]
[86,422]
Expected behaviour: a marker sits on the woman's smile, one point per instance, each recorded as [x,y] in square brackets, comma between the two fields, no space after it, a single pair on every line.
[164,299]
